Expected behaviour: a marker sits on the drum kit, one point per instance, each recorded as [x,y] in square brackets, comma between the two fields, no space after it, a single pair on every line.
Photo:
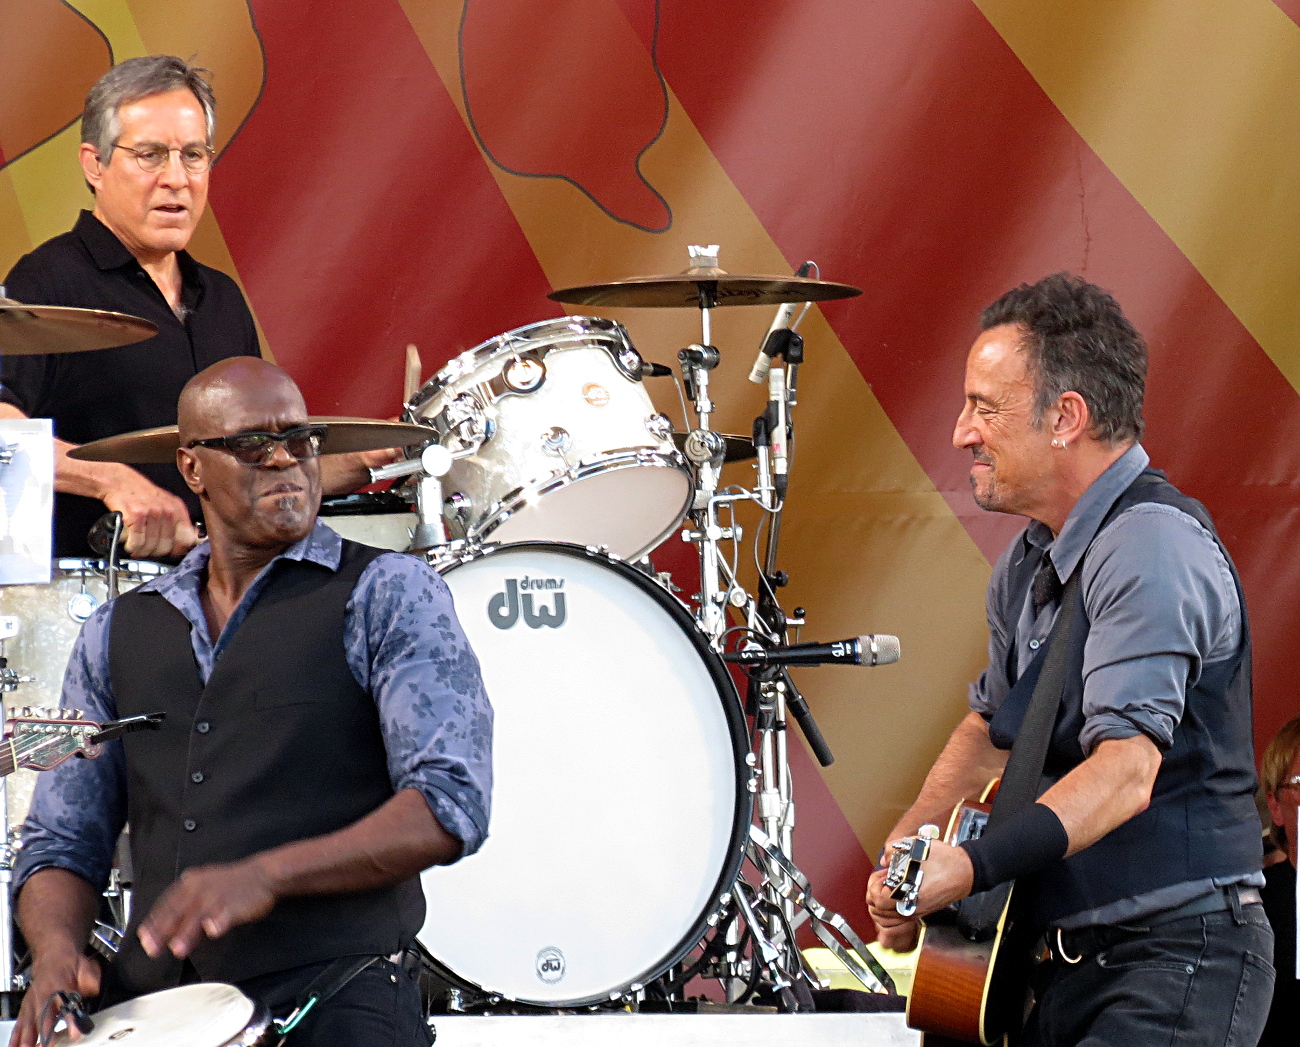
[642,825]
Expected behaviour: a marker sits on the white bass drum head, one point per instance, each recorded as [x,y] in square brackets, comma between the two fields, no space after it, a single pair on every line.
[620,806]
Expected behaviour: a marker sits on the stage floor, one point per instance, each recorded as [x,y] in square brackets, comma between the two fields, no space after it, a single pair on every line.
[666,1030]
[676,1030]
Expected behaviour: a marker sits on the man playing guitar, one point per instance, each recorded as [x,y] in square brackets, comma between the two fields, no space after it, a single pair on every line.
[1140,860]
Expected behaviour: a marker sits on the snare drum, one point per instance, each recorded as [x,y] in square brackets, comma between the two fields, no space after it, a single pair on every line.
[557,440]
[207,1014]
[49,619]
[621,801]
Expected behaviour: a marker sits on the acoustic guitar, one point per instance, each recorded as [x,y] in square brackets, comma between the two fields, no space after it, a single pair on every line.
[967,988]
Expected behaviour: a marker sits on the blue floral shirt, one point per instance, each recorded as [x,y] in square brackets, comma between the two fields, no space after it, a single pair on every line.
[403,644]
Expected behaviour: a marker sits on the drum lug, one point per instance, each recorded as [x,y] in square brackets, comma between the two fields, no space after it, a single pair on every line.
[81,606]
[556,441]
[659,426]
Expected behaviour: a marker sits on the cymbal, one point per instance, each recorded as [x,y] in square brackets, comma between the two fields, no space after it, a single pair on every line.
[153,446]
[28,330]
[739,448]
[682,290]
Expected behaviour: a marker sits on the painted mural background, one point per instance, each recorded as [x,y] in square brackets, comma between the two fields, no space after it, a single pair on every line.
[425,171]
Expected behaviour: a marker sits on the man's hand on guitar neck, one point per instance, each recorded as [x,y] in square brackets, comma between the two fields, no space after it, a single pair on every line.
[948,878]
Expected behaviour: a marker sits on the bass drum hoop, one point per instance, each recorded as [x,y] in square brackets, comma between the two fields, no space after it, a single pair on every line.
[738,730]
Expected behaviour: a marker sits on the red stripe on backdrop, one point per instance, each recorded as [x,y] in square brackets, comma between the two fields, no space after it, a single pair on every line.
[360,213]
[906,149]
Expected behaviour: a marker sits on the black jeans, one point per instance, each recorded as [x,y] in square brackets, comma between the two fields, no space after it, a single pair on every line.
[380,1007]
[1204,981]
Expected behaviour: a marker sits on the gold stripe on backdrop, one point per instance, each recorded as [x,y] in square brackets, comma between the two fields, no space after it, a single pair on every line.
[869,542]
[1193,105]
[14,238]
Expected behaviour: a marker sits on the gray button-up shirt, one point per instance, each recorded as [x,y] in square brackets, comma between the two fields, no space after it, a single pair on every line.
[403,644]
[1161,604]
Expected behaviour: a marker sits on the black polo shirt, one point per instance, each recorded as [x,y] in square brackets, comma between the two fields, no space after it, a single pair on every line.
[110,391]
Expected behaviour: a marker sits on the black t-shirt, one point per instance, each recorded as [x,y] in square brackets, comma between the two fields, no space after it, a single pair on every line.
[1279,902]
[111,391]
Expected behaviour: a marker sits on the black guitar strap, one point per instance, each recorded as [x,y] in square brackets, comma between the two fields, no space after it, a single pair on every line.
[977,916]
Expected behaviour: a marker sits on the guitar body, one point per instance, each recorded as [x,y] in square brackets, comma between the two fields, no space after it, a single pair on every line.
[965,991]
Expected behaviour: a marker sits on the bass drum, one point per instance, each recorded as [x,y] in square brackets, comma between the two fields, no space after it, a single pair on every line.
[621,800]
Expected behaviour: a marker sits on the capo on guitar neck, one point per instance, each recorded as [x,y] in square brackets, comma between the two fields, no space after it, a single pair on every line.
[905,873]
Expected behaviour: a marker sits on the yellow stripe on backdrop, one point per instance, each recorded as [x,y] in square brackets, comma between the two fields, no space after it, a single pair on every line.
[869,542]
[1193,105]
[47,182]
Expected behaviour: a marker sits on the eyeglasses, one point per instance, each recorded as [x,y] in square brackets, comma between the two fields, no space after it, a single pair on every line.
[154,156]
[258,448]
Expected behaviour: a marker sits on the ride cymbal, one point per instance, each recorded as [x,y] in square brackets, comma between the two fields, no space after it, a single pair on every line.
[33,330]
[682,290]
[152,446]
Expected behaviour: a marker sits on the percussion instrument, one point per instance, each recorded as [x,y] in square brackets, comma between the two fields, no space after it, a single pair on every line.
[155,446]
[620,802]
[555,439]
[27,330]
[381,519]
[43,623]
[206,1014]
[718,286]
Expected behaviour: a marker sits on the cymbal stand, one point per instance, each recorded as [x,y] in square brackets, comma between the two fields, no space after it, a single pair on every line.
[782,899]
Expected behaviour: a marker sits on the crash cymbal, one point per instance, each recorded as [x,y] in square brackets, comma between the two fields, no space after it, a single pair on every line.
[739,448]
[145,446]
[29,330]
[683,290]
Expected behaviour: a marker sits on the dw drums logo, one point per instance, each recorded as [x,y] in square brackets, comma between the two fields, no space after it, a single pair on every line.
[550,965]
[504,608]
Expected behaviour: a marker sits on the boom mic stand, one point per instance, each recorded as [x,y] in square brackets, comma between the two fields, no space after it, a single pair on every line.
[773,909]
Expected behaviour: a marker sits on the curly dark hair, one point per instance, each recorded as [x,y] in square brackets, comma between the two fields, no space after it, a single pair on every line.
[1078,339]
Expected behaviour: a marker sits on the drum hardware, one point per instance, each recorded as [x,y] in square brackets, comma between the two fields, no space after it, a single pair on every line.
[10,626]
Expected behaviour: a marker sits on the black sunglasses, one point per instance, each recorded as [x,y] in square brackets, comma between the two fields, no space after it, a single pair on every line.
[258,447]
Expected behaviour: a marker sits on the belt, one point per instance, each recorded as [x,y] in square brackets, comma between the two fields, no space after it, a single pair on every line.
[1074,945]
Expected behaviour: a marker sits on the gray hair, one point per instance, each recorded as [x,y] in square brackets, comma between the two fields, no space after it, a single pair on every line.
[132,80]
[1078,339]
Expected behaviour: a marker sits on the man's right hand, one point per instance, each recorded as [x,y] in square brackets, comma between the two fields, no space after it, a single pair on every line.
[58,972]
[155,522]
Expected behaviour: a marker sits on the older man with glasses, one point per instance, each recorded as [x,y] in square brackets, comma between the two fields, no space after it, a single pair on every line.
[146,155]
[327,737]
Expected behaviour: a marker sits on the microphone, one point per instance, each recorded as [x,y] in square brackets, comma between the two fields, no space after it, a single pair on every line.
[879,649]
[778,431]
[104,534]
[653,370]
[774,341]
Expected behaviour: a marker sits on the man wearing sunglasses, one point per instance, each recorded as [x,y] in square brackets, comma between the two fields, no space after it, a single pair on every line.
[146,155]
[327,738]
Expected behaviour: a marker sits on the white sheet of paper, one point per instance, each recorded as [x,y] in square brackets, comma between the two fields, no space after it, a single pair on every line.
[26,500]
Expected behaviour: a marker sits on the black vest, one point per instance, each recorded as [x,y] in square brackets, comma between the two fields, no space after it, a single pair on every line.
[1202,820]
[281,745]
